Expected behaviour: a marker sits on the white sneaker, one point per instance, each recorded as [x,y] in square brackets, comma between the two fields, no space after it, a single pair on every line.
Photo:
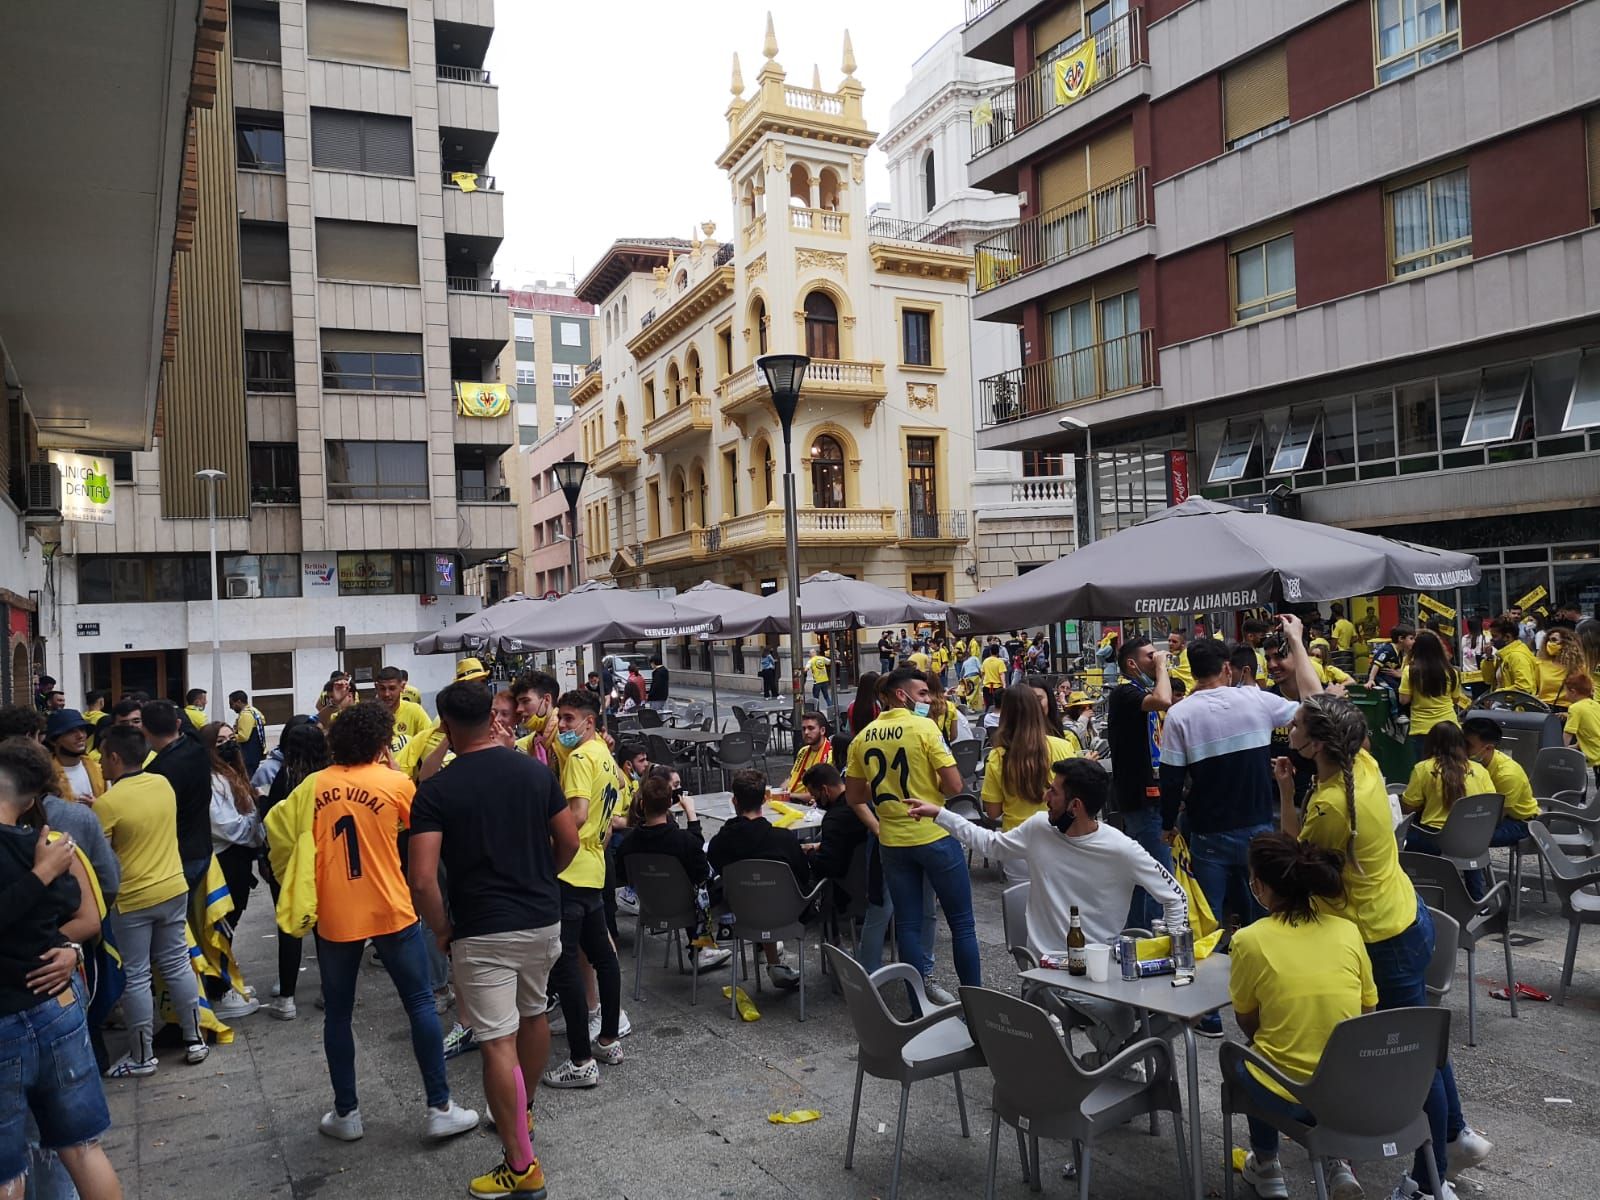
[128,1067]
[450,1120]
[234,1006]
[624,1026]
[569,1076]
[940,996]
[282,1008]
[784,976]
[710,958]
[196,1053]
[1467,1150]
[1409,1189]
[1342,1181]
[1266,1177]
[610,1055]
[627,901]
[346,1128]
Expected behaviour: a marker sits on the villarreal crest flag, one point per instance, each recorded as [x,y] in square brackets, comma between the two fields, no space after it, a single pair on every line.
[1076,72]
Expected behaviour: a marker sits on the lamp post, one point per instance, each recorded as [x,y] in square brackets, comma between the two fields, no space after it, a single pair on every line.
[570,473]
[785,373]
[1088,471]
[214,478]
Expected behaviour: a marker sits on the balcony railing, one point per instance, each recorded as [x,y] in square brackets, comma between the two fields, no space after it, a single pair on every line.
[620,457]
[976,8]
[463,74]
[593,367]
[820,219]
[465,283]
[686,419]
[483,182]
[1044,490]
[1117,365]
[807,100]
[764,528]
[686,544]
[838,373]
[1058,233]
[1118,48]
[894,229]
[479,494]
[755,231]
[933,526]
[261,493]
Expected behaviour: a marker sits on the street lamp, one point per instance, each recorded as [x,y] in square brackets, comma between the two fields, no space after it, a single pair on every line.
[1088,471]
[785,373]
[214,478]
[570,473]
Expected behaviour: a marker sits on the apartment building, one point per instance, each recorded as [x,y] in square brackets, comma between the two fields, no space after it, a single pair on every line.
[685,453]
[1336,256]
[1021,500]
[553,332]
[337,359]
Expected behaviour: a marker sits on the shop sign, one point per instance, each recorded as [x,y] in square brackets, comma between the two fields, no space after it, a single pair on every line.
[86,492]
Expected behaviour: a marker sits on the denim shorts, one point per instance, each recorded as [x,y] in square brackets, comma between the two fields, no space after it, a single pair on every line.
[47,1065]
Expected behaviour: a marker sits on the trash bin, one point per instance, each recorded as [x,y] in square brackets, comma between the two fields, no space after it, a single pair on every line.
[1393,755]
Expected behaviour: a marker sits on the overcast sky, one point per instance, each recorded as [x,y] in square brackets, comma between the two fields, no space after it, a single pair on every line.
[612,111]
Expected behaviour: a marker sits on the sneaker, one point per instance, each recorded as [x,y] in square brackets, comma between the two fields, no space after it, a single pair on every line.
[450,1120]
[1409,1189]
[346,1128]
[1342,1181]
[624,1026]
[628,901]
[233,1006]
[610,1055]
[443,999]
[1467,1149]
[282,1008]
[569,1076]
[711,958]
[459,1041]
[784,976]
[1209,1026]
[503,1181]
[1266,1177]
[127,1066]
[489,1123]
[196,1053]
[937,994]
[557,1018]
[277,990]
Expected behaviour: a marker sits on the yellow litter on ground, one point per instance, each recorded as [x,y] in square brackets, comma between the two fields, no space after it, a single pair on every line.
[799,1116]
[746,1006]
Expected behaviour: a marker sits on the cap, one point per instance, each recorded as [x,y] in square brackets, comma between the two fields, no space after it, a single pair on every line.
[1076,699]
[64,720]
[470,669]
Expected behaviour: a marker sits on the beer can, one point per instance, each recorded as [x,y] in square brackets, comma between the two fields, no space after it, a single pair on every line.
[1128,956]
[1155,966]
[1183,951]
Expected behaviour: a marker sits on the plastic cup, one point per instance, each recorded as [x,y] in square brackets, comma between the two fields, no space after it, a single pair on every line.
[1097,957]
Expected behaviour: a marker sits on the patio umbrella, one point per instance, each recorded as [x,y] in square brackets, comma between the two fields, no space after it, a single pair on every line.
[830,601]
[476,632]
[1202,556]
[592,612]
[720,600]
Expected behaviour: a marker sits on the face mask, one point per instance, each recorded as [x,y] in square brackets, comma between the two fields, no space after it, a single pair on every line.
[1064,821]
[569,738]
[1553,649]
[922,709]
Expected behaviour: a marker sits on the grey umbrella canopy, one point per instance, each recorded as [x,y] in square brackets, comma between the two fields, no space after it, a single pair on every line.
[1201,556]
[830,601]
[592,612]
[476,632]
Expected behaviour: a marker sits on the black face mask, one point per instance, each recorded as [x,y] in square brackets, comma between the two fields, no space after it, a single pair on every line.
[1064,821]
[228,752]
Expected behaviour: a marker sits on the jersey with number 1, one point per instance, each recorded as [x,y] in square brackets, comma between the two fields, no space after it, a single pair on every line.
[358,815]
[899,755]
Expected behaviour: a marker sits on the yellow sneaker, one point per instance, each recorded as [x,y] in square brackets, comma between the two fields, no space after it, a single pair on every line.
[503,1181]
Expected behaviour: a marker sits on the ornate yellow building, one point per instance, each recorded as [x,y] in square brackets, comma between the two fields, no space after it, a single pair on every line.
[686,454]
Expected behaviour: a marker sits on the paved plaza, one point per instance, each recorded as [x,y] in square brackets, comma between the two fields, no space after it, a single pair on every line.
[686,1114]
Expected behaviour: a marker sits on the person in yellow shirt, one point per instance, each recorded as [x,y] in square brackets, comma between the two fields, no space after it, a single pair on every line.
[1295,975]
[814,748]
[1431,686]
[410,718]
[993,677]
[1582,728]
[1019,768]
[1443,776]
[919,657]
[1557,659]
[194,707]
[940,659]
[535,694]
[95,705]
[409,692]
[1344,638]
[1178,660]
[1513,665]
[1326,672]
[1509,779]
[820,669]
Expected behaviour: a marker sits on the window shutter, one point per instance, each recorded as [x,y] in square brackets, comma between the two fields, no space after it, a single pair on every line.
[1056,27]
[358,33]
[1111,156]
[360,341]
[1062,179]
[1255,94]
[264,252]
[1594,159]
[335,139]
[386,145]
[367,251]
[255,34]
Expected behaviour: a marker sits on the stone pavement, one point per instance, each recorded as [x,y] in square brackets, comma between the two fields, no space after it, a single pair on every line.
[686,1114]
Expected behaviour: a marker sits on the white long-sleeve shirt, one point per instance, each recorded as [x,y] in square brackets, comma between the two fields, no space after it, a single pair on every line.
[1096,871]
[229,826]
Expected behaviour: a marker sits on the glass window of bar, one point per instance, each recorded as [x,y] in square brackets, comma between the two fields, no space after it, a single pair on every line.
[1496,408]
[1294,447]
[1234,455]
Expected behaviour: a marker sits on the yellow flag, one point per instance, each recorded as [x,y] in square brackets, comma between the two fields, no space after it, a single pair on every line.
[1076,73]
[984,113]
[482,399]
[467,181]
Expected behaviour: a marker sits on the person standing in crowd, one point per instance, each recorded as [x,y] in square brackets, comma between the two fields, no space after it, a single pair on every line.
[302,751]
[821,672]
[993,676]
[900,757]
[42,693]
[1254,633]
[195,702]
[139,815]
[593,788]
[1345,637]
[534,694]
[184,763]
[815,747]
[1582,727]
[886,653]
[970,664]
[1348,812]
[354,812]
[236,840]
[1134,715]
[919,657]
[864,708]
[1557,658]
[410,719]
[95,704]
[636,689]
[750,835]
[1474,652]
[1018,773]
[1431,686]
[497,822]
[66,734]
[261,779]
[249,730]
[769,674]
[1513,665]
[660,681]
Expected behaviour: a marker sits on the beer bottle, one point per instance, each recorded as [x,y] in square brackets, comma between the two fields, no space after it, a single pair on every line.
[1077,963]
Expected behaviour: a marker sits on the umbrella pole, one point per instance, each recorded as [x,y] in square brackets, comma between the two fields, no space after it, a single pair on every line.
[716,716]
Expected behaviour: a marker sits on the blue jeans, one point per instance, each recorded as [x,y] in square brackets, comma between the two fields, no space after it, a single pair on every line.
[405,956]
[1264,1137]
[1223,858]
[47,1066]
[1143,825]
[906,870]
[819,691]
[875,925]
[1399,969]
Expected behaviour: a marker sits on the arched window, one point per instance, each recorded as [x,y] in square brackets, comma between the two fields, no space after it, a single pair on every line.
[827,472]
[649,389]
[758,319]
[930,187]
[747,203]
[699,499]
[677,500]
[822,325]
[682,281]
[799,186]
[765,468]
[609,331]
[623,327]
[622,419]
[828,190]
[674,386]
[691,372]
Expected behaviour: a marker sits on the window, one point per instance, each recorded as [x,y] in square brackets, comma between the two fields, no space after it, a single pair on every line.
[522,325]
[121,463]
[730,482]
[1042,464]
[930,185]
[268,362]
[255,34]
[571,334]
[377,470]
[274,473]
[758,318]
[1234,455]
[822,326]
[922,488]
[1263,278]
[258,140]
[928,584]
[143,579]
[724,352]
[563,375]
[1414,33]
[367,251]
[1583,408]
[357,141]
[264,252]
[357,33]
[1497,406]
[403,573]
[272,685]
[916,337]
[1432,222]
[1255,97]
[526,374]
[254,576]
[1294,446]
[827,472]
[370,361]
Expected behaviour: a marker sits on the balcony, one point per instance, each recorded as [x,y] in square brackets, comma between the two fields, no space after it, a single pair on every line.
[1023,496]
[478,212]
[258,86]
[621,457]
[828,527]
[686,422]
[819,220]
[685,547]
[462,74]
[468,493]
[469,107]
[933,528]
[1023,402]
[263,196]
[826,378]
[892,229]
[486,531]
[477,311]
[1032,114]
[987,35]
[1026,261]
[588,387]
[755,231]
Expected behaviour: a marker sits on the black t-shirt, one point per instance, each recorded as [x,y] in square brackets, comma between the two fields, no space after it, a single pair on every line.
[33,916]
[1128,730]
[186,765]
[659,679]
[494,809]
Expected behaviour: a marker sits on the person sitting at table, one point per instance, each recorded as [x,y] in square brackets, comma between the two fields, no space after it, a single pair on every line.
[1510,780]
[659,834]
[842,832]
[1295,975]
[815,747]
[751,835]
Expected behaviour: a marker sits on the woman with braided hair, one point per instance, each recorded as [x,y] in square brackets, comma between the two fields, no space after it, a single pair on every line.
[1348,812]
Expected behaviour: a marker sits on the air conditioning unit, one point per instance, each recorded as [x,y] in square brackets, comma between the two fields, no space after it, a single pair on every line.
[44,493]
[242,587]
